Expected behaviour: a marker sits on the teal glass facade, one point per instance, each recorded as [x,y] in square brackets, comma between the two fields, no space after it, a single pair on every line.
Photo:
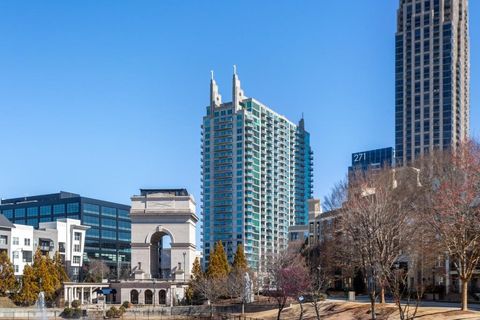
[251,172]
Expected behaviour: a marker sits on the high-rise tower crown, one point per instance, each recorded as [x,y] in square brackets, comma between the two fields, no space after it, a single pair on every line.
[237,92]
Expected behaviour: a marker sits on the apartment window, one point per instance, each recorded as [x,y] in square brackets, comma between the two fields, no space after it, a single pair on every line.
[76,248]
[26,241]
[17,269]
[77,236]
[16,254]
[3,239]
[76,259]
[15,241]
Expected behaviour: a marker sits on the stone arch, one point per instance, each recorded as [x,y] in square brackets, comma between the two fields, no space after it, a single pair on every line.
[158,213]
[134,296]
[162,297]
[160,254]
[148,296]
[161,229]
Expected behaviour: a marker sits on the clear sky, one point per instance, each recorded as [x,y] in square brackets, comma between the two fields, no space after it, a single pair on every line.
[102,98]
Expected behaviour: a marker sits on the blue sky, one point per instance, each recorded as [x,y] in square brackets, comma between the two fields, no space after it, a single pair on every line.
[105,97]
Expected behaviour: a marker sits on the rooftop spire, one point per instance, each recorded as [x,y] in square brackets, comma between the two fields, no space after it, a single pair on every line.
[237,92]
[215,97]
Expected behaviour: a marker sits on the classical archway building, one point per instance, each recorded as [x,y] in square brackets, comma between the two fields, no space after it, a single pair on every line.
[163,246]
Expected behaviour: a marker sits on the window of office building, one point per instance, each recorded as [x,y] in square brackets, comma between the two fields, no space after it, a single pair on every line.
[109,234]
[91,221]
[107,211]
[59,209]
[93,233]
[8,213]
[20,213]
[109,223]
[124,225]
[32,212]
[91,208]
[73,207]
[124,236]
[45,210]
[123,213]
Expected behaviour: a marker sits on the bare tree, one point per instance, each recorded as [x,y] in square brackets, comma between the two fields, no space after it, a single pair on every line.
[238,286]
[212,288]
[452,179]
[377,222]
[96,271]
[328,259]
[336,198]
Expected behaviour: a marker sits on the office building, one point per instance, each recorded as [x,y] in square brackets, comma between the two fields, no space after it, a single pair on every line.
[256,171]
[372,159]
[432,77]
[303,174]
[65,236]
[108,237]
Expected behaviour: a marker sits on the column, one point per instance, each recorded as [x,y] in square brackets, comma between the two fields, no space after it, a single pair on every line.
[90,296]
[81,297]
[65,293]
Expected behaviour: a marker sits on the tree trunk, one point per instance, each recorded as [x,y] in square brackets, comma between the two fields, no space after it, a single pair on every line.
[382,294]
[317,312]
[372,305]
[279,312]
[464,295]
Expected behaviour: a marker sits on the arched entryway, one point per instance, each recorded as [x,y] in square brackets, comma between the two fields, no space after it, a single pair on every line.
[160,255]
[148,297]
[162,297]
[134,296]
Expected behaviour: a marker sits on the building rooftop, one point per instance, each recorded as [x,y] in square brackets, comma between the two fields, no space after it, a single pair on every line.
[5,223]
[173,192]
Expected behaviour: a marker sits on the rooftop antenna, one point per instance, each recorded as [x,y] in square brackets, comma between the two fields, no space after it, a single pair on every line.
[234,69]
[211,74]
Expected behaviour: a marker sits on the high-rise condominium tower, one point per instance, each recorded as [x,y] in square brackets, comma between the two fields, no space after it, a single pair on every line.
[256,176]
[432,76]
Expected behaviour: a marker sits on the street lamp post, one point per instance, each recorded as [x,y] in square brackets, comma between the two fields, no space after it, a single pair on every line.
[184,266]
[154,292]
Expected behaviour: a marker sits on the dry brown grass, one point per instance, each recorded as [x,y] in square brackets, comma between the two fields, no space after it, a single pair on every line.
[357,311]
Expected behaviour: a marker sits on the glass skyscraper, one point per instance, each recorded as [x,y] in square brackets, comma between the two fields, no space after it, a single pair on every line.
[256,176]
[108,237]
[432,77]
